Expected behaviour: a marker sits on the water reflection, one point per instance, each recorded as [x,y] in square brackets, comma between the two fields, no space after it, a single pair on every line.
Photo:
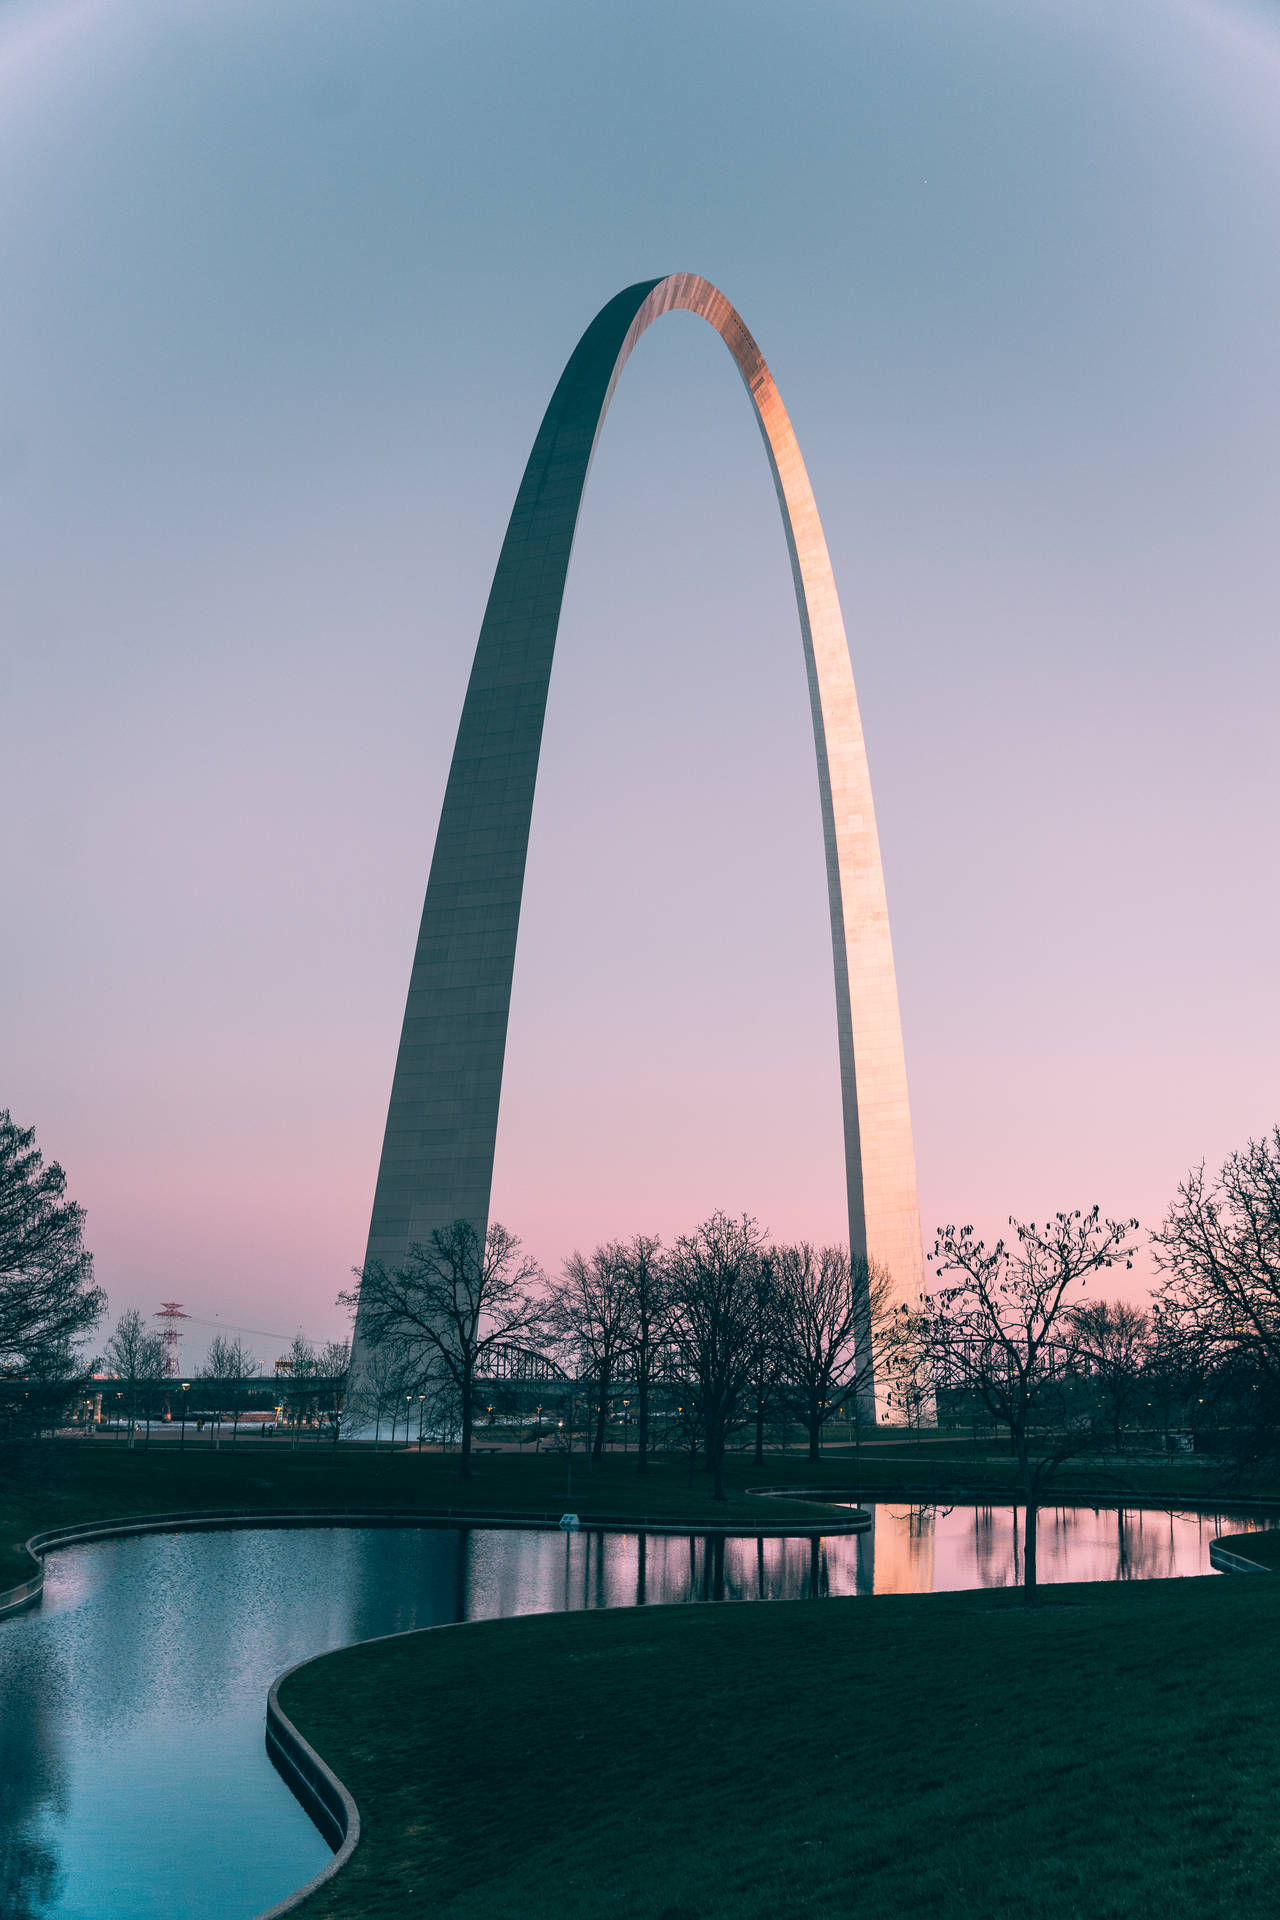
[133,1779]
[33,1797]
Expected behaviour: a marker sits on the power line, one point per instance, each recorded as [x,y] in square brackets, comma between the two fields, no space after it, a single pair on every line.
[262,1333]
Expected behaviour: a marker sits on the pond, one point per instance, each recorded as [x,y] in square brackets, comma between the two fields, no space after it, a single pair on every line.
[134,1783]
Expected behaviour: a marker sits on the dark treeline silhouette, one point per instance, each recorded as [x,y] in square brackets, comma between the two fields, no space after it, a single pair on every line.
[716,1341]
[721,1327]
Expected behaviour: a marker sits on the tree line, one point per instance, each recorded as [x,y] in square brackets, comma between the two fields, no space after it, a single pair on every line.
[734,1329]
[738,1325]
[309,1382]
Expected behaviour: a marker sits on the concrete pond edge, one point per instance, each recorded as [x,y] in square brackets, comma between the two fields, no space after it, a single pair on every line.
[214,1519]
[318,1790]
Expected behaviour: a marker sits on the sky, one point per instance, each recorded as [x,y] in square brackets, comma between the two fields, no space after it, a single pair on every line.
[287,288]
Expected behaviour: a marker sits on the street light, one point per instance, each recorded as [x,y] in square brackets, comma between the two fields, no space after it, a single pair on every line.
[421,1410]
[182,1436]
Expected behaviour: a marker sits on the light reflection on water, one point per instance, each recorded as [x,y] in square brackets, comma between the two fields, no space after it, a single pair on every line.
[133,1780]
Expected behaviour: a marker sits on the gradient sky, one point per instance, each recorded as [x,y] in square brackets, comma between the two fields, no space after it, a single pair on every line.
[287,287]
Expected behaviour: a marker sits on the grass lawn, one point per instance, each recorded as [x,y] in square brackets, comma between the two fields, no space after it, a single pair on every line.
[60,1482]
[1115,1752]
[1261,1547]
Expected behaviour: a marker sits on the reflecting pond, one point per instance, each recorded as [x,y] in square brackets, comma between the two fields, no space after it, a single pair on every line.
[134,1783]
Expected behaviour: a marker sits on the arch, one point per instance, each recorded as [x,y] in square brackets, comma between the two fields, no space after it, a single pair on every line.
[437,1154]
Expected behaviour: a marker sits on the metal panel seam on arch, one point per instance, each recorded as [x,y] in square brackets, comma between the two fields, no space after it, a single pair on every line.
[438,1149]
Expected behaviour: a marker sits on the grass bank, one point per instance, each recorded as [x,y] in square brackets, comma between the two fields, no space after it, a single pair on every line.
[57,1483]
[1262,1548]
[61,1482]
[1113,1753]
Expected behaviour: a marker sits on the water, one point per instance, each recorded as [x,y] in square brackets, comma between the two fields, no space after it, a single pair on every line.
[134,1784]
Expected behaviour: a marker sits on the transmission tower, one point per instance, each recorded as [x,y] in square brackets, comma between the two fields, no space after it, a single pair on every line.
[171,1312]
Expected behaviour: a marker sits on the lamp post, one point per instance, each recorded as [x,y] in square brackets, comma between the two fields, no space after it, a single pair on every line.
[182,1433]
[421,1411]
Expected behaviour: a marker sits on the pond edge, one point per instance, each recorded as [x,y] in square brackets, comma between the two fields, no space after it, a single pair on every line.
[317,1789]
[27,1592]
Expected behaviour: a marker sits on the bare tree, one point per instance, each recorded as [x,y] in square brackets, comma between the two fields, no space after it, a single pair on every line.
[333,1363]
[587,1311]
[385,1378]
[1003,1330]
[1112,1344]
[450,1303]
[136,1356]
[640,1266]
[1219,1304]
[764,1384]
[295,1373]
[831,1312]
[228,1366]
[48,1302]
[713,1273]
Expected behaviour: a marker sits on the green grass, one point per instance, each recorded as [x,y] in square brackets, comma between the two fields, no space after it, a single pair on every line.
[1264,1548]
[1115,1752]
[57,1483]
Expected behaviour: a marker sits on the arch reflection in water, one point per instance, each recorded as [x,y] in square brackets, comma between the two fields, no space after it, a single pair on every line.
[132,1764]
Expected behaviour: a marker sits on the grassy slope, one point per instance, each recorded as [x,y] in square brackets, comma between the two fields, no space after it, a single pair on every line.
[1261,1547]
[56,1484]
[1113,1753]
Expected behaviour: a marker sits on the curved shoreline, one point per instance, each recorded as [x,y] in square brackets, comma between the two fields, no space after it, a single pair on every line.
[214,1519]
[316,1788]
[1226,1560]
[314,1784]
[322,1795]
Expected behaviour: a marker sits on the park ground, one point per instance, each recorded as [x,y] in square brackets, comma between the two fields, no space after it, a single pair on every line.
[1115,1751]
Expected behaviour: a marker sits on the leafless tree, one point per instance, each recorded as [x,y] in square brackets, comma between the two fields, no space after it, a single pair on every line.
[1219,1303]
[386,1378]
[333,1364]
[1112,1342]
[765,1372]
[831,1311]
[1002,1328]
[48,1302]
[136,1356]
[587,1312]
[639,1263]
[713,1273]
[228,1366]
[296,1371]
[452,1301]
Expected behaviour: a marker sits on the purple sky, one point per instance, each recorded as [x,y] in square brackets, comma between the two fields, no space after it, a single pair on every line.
[286,291]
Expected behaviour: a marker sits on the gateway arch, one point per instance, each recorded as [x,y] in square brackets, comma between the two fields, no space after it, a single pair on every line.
[437,1153]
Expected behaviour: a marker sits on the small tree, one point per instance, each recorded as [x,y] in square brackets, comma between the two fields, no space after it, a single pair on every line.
[1112,1343]
[333,1364]
[452,1300]
[48,1302]
[588,1311]
[136,1357]
[713,1274]
[297,1368]
[639,1264]
[764,1382]
[1003,1330]
[230,1365]
[830,1312]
